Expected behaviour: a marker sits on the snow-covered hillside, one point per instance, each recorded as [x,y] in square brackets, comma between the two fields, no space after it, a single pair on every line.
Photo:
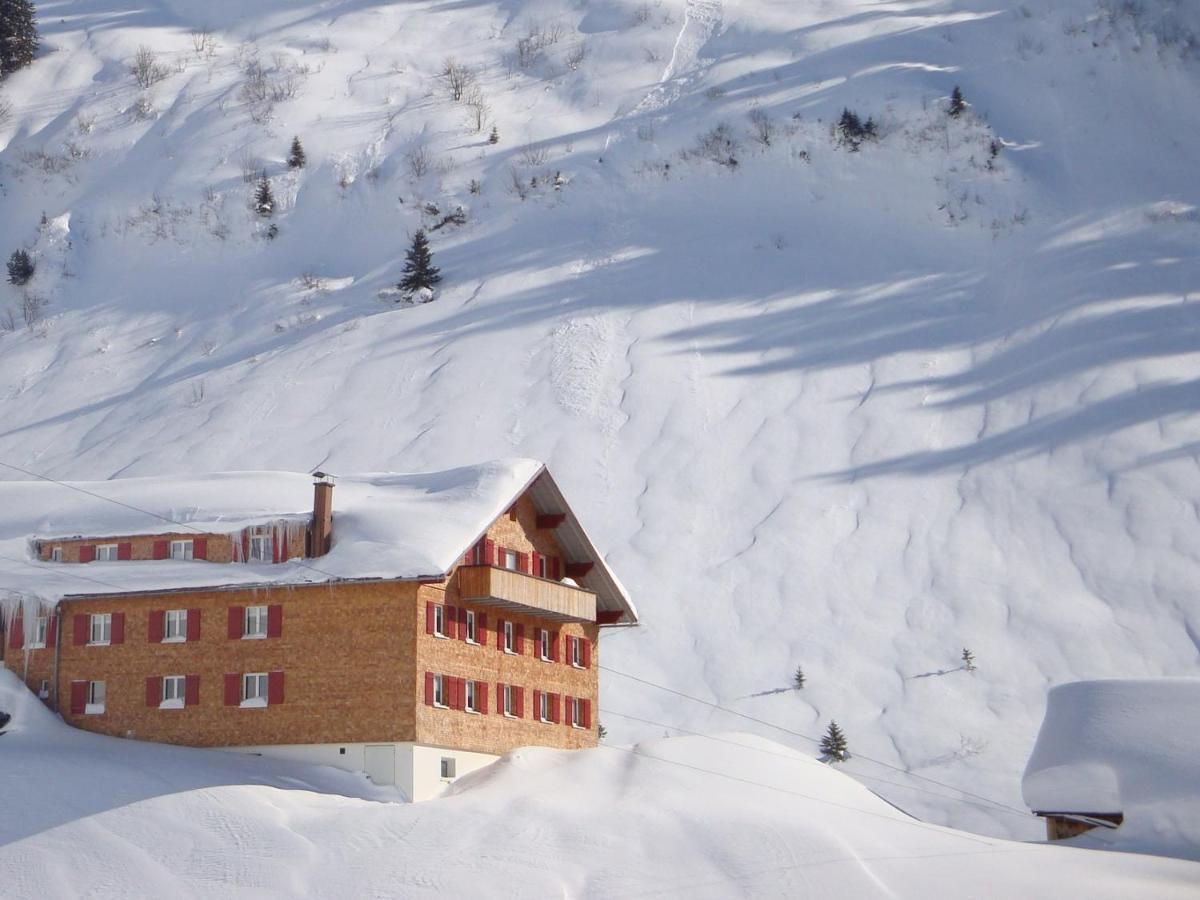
[851,411]
[109,818]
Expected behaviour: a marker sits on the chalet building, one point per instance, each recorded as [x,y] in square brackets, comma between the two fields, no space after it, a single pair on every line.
[412,627]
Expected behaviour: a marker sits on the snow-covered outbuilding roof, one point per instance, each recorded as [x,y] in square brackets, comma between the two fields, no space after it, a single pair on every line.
[1128,746]
[386,526]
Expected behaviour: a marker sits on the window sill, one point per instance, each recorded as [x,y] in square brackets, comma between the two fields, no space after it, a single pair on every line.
[99,643]
[171,704]
[510,716]
[473,643]
[444,637]
[576,665]
[254,703]
[174,640]
[35,646]
[254,637]
[437,705]
[94,709]
[511,652]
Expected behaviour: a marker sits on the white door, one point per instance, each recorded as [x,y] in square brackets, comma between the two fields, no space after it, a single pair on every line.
[380,761]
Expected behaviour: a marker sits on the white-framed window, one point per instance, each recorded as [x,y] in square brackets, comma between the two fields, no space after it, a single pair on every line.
[101,631]
[96,697]
[44,689]
[472,701]
[56,554]
[509,559]
[40,627]
[576,711]
[544,645]
[261,549]
[510,637]
[256,622]
[576,645]
[254,689]
[175,625]
[543,707]
[106,552]
[447,767]
[439,691]
[509,701]
[173,687]
[439,621]
[472,628]
[182,549]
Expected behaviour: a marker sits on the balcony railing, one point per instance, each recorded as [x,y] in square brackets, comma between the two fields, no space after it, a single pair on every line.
[519,592]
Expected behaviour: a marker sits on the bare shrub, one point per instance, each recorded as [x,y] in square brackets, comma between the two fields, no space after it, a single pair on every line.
[645,132]
[576,55]
[285,87]
[478,106]
[762,128]
[457,78]
[33,308]
[143,108]
[714,93]
[534,156]
[652,55]
[311,281]
[146,69]
[250,164]
[537,38]
[202,41]
[8,321]
[420,160]
[718,145]
[255,88]
[641,15]
[5,110]
[84,124]
[517,183]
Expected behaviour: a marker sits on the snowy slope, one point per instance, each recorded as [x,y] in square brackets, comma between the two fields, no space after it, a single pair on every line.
[851,411]
[662,818]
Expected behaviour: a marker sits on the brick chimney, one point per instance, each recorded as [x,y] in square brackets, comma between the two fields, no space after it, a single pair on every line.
[322,524]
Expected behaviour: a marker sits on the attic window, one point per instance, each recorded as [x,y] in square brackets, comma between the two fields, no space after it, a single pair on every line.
[56,554]
[508,558]
[106,552]
[182,550]
[261,548]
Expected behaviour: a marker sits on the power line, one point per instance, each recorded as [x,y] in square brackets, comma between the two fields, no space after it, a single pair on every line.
[799,734]
[26,562]
[708,737]
[147,512]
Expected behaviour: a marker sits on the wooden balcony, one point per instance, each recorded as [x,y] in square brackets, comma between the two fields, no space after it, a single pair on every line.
[523,593]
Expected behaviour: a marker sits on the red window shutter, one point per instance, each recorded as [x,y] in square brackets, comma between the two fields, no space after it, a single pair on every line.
[233,689]
[274,688]
[118,628]
[153,690]
[274,621]
[451,686]
[162,549]
[80,628]
[554,646]
[568,718]
[534,559]
[154,631]
[556,569]
[451,621]
[489,552]
[499,634]
[125,551]
[200,548]
[237,622]
[519,701]
[537,642]
[191,690]
[462,622]
[429,618]
[429,689]
[481,628]
[193,624]
[585,709]
[87,553]
[499,698]
[481,695]
[246,546]
[52,630]
[520,638]
[278,551]
[16,634]
[78,697]
[585,649]
[537,704]
[555,712]
[523,562]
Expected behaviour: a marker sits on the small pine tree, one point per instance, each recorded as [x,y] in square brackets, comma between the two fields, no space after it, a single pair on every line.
[968,659]
[264,200]
[833,745]
[20,268]
[18,35]
[798,679]
[494,137]
[419,270]
[850,129]
[957,104]
[296,158]
[601,732]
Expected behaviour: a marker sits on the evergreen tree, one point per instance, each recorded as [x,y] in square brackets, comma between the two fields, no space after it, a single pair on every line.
[798,679]
[297,159]
[494,137]
[601,732]
[264,200]
[18,35]
[957,104]
[833,745]
[850,129]
[968,659]
[20,268]
[419,270]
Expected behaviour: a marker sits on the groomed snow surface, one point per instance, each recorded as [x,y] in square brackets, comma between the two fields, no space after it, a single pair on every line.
[726,816]
[851,411]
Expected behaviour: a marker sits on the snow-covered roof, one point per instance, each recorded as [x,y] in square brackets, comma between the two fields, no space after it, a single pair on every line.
[386,526]
[1119,746]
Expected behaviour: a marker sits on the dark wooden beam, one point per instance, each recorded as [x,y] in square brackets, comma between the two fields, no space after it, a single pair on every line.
[608,616]
[579,570]
[549,521]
